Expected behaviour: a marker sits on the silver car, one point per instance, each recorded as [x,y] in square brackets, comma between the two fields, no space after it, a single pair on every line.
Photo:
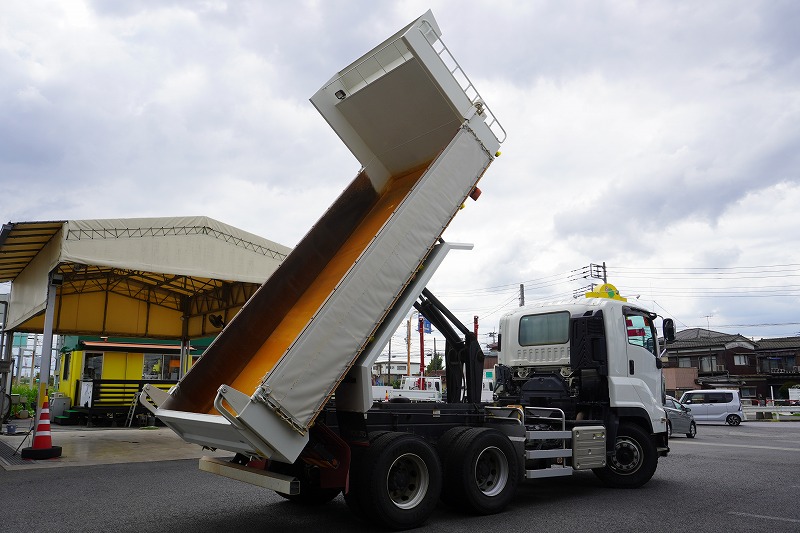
[679,418]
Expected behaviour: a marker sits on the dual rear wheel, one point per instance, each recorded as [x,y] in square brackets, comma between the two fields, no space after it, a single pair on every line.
[398,481]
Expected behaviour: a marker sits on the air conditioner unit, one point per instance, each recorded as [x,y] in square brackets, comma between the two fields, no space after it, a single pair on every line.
[719,368]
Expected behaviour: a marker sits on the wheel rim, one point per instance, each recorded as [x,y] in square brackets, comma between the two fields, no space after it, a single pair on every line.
[408,480]
[669,429]
[627,457]
[733,420]
[692,430]
[491,471]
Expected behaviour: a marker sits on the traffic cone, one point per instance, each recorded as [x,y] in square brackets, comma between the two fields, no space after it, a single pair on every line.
[42,447]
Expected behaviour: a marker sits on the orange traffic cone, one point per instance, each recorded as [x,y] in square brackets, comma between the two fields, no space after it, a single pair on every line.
[42,442]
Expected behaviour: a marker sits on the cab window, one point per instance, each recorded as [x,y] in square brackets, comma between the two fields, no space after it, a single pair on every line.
[641,332]
[549,328]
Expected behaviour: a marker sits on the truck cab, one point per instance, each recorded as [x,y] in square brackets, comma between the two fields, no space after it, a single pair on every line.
[595,361]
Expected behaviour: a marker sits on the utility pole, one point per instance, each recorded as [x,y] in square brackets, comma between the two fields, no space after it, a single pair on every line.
[521,295]
[408,346]
[421,325]
[390,362]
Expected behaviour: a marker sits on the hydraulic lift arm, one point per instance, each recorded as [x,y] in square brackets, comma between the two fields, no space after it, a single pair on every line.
[463,356]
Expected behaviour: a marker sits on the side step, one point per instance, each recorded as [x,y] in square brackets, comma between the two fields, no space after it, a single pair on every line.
[588,451]
[262,478]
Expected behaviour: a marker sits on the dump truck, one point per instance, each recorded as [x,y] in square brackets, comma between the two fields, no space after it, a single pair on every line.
[286,386]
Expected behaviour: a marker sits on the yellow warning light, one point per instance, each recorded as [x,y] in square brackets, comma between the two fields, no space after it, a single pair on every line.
[606,290]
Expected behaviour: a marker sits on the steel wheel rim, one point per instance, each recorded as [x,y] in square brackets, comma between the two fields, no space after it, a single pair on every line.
[627,457]
[407,481]
[491,471]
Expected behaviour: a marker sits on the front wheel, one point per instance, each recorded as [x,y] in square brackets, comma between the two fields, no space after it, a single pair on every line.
[633,461]
[692,430]
[733,420]
[669,429]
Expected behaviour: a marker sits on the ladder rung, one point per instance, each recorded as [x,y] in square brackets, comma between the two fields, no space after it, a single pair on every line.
[548,454]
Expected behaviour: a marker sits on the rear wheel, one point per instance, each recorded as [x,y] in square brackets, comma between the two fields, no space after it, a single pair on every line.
[482,471]
[692,430]
[397,482]
[733,420]
[669,429]
[633,461]
[353,496]
[444,447]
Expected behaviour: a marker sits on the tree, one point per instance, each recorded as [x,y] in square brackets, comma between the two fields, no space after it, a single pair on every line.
[435,364]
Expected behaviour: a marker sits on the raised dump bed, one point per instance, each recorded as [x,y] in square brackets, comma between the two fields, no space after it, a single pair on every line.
[424,138]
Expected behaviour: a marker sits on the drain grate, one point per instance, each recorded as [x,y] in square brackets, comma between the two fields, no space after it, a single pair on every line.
[8,457]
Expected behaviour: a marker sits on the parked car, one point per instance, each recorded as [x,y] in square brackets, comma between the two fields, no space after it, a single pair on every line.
[719,405]
[679,418]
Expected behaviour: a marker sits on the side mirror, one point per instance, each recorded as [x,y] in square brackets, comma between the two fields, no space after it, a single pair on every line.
[669,330]
[687,409]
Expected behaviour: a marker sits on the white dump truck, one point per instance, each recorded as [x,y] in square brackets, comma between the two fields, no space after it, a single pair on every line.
[286,386]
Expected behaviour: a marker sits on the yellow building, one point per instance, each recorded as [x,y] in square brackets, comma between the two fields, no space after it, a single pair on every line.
[99,378]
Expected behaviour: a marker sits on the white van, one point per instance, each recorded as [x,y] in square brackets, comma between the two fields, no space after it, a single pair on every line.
[718,405]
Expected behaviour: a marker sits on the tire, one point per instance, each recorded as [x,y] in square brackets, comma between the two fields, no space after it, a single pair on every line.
[353,497]
[669,429]
[444,447]
[733,420]
[397,481]
[634,460]
[482,471]
[692,430]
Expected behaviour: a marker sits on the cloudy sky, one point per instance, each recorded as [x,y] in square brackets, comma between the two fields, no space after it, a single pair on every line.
[662,138]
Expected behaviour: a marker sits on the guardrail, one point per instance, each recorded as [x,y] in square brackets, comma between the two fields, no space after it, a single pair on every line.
[768,412]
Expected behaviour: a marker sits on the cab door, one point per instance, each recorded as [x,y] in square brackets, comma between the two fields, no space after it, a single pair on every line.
[642,350]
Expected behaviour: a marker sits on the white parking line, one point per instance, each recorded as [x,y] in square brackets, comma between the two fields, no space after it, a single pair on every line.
[689,441]
[779,518]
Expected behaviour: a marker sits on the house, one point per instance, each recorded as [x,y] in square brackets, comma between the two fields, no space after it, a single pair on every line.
[702,358]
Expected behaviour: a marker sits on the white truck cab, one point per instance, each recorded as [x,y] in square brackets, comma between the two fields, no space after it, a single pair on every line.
[595,359]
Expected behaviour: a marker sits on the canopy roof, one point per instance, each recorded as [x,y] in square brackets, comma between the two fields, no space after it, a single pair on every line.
[139,277]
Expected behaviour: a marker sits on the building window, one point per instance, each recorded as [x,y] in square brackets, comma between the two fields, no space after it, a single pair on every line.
[65,366]
[159,366]
[747,392]
[93,366]
[708,363]
[684,362]
[741,360]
